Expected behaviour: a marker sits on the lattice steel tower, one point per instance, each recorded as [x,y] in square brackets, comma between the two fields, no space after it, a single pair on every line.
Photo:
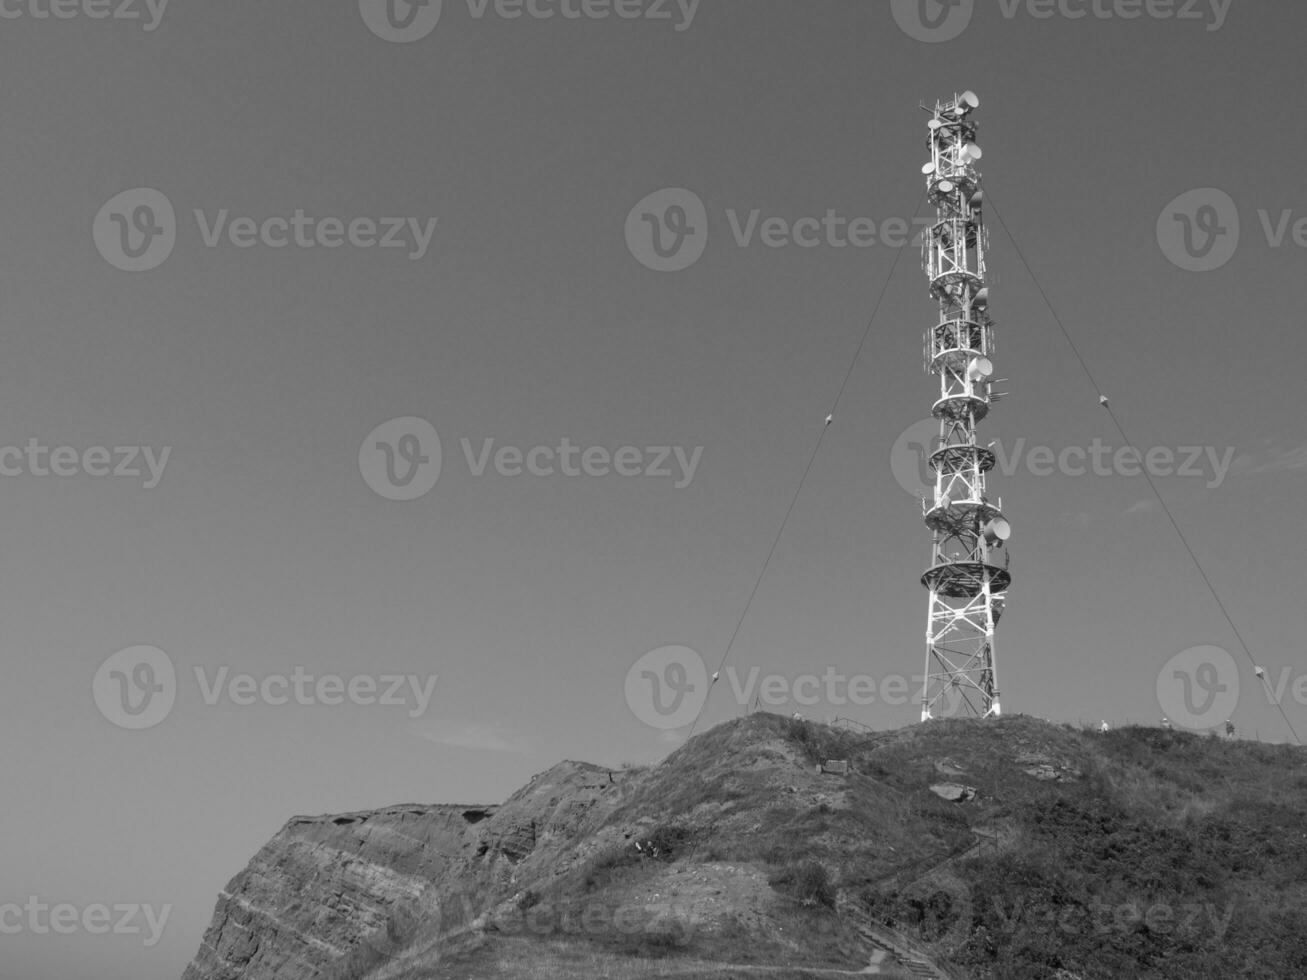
[966,579]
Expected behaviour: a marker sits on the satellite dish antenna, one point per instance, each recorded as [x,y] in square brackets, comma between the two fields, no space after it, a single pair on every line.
[972,151]
[934,124]
[980,368]
[982,297]
[928,168]
[997,530]
[977,200]
[968,99]
[945,186]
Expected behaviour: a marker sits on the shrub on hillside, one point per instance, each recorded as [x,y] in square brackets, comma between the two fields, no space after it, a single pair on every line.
[666,842]
[527,900]
[818,742]
[808,882]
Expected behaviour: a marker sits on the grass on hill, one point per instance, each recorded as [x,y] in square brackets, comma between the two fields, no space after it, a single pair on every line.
[1159,854]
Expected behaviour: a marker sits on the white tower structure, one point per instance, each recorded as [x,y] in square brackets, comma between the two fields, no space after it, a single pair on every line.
[968,574]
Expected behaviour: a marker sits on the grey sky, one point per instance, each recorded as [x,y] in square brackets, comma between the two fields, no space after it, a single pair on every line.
[527,320]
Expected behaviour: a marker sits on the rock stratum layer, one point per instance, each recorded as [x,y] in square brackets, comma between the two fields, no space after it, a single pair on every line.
[774,847]
[323,884]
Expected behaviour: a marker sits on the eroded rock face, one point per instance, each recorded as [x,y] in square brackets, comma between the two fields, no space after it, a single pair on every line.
[324,884]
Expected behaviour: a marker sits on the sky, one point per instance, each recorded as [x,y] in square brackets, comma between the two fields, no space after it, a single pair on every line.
[242,402]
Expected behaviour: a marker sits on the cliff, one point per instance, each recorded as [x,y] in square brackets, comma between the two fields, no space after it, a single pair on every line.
[323,884]
[770,847]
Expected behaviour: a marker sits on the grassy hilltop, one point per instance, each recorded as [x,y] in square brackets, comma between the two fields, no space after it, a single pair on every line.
[1007,848]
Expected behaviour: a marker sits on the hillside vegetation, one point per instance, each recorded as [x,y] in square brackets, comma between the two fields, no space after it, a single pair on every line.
[1007,848]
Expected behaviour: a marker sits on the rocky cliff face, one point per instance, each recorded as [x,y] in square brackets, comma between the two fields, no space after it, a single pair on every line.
[768,845]
[323,884]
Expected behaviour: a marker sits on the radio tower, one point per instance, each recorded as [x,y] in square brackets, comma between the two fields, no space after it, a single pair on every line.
[966,580]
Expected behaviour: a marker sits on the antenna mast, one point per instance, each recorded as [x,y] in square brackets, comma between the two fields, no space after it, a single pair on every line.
[966,581]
